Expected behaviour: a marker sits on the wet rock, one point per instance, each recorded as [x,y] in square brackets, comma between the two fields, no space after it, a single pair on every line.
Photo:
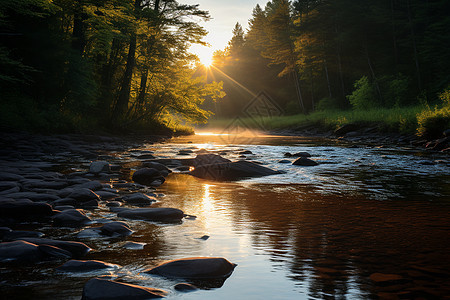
[25,210]
[183,169]
[9,187]
[134,245]
[77,249]
[231,171]
[6,176]
[346,128]
[185,287]
[155,165]
[85,266]
[20,251]
[3,231]
[19,234]
[146,176]
[138,199]
[116,229]
[284,161]
[195,268]
[97,167]
[204,237]
[92,204]
[93,185]
[35,197]
[71,218]
[306,162]
[185,152]
[106,195]
[152,214]
[54,252]
[83,195]
[102,289]
[245,152]
[114,204]
[65,202]
[209,159]
[90,233]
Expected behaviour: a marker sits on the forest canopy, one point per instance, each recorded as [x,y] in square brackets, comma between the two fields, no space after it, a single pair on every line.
[311,55]
[70,65]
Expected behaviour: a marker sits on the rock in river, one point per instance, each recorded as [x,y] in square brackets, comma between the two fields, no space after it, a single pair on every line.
[116,229]
[161,214]
[85,266]
[195,268]
[71,218]
[97,167]
[102,289]
[77,249]
[230,171]
[306,162]
[147,176]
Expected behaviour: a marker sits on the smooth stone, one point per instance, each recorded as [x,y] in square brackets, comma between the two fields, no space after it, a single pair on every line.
[77,249]
[93,185]
[301,154]
[63,207]
[134,245]
[116,228]
[55,252]
[25,210]
[65,202]
[284,161]
[102,289]
[155,165]
[232,171]
[35,197]
[71,218]
[113,204]
[305,162]
[97,167]
[6,176]
[104,195]
[139,199]
[185,287]
[152,214]
[85,266]
[20,251]
[19,234]
[146,176]
[204,237]
[209,159]
[195,268]
[83,195]
[90,233]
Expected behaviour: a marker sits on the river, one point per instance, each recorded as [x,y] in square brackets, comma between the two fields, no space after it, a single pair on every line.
[368,222]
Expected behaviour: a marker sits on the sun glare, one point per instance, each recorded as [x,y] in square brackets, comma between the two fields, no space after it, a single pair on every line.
[204,54]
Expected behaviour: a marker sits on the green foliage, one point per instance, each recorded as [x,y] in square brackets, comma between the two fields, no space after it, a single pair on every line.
[432,122]
[364,96]
[327,104]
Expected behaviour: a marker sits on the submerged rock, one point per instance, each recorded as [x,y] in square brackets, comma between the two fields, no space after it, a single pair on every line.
[185,287]
[77,249]
[85,266]
[139,199]
[146,176]
[116,229]
[306,162]
[24,210]
[102,289]
[97,167]
[152,214]
[134,245]
[208,159]
[19,251]
[231,171]
[195,268]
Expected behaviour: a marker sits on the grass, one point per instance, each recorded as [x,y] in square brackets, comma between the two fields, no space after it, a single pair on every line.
[402,120]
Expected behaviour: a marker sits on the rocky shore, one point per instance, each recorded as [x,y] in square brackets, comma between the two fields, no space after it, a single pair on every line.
[61,182]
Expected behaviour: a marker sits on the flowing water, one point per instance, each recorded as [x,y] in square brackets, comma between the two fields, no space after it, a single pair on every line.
[366,223]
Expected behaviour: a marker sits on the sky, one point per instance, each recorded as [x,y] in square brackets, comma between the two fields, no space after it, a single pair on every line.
[224,15]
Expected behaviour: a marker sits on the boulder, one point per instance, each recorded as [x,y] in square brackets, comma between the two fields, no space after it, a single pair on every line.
[77,249]
[306,162]
[85,266]
[93,185]
[231,171]
[116,229]
[20,251]
[25,210]
[195,268]
[185,287]
[209,159]
[97,167]
[55,252]
[102,289]
[104,195]
[71,218]
[83,195]
[155,165]
[152,214]
[146,176]
[19,234]
[138,199]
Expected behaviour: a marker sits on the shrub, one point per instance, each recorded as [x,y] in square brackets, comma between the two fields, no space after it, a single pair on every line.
[327,103]
[432,122]
[364,96]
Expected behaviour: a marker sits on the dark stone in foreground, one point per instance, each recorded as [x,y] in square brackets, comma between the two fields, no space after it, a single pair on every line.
[102,289]
[306,162]
[85,266]
[77,249]
[71,218]
[232,171]
[195,268]
[146,176]
[116,229]
[152,214]
[25,210]
[19,251]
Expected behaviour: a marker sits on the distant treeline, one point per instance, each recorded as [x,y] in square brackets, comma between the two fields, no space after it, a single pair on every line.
[335,54]
[112,64]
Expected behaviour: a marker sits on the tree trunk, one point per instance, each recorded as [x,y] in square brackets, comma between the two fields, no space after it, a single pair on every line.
[338,53]
[413,37]
[79,29]
[299,91]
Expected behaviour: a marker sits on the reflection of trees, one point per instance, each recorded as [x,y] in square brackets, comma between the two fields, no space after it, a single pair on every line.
[334,243]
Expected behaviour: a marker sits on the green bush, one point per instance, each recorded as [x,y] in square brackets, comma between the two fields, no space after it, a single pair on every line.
[327,104]
[364,96]
[432,122]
